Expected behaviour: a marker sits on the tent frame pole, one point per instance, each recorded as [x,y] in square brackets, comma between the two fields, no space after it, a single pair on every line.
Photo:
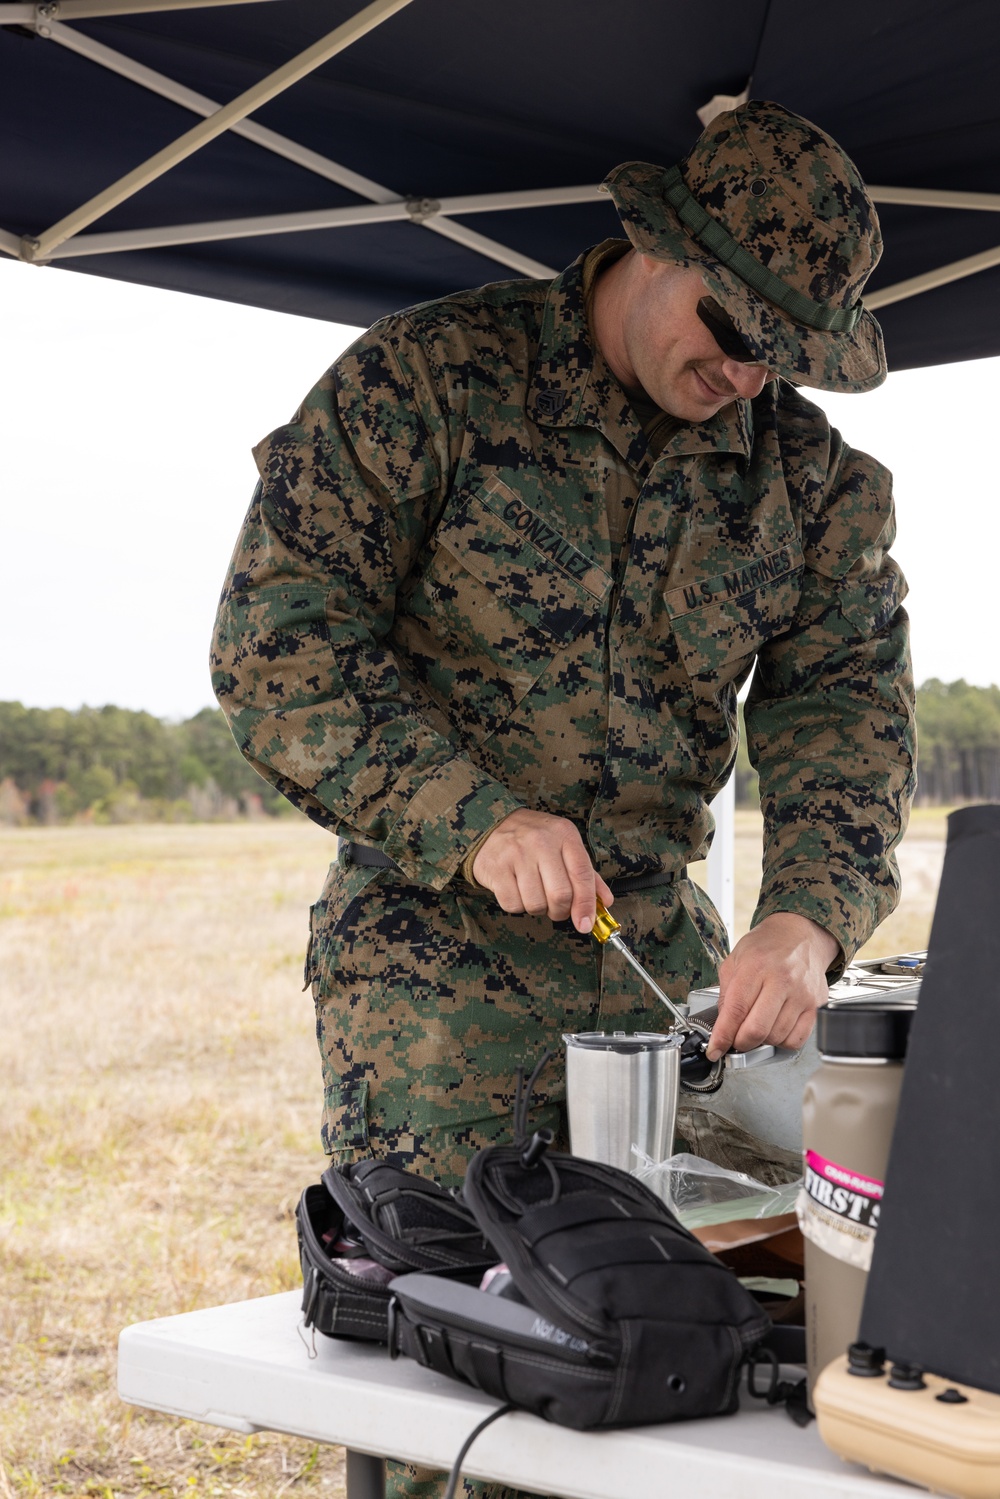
[281,145]
[63,240]
[940,276]
[932,197]
[426,212]
[192,140]
[199,104]
[27,13]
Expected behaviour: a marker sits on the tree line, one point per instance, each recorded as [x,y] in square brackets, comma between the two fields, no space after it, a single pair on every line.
[116,765]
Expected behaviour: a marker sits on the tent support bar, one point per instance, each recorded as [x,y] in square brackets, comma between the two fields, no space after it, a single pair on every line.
[115,242]
[312,161]
[62,240]
[268,88]
[200,104]
[931,279]
[925,197]
[530,197]
[28,13]
[435,214]
[469,238]
[427,212]
[323,166]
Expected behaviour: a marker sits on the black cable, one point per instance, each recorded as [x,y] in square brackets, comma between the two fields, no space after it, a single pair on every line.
[520,1121]
[760,43]
[529,1087]
[523,1097]
[456,1471]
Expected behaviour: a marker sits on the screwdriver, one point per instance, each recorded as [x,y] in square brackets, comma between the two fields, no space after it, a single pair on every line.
[607,929]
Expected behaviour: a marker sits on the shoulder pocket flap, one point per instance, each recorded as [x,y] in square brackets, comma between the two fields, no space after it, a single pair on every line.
[856,519]
[719,619]
[527,564]
[870,603]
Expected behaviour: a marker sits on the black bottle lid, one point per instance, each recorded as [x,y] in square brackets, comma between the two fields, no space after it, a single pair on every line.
[869,1030]
[865,1361]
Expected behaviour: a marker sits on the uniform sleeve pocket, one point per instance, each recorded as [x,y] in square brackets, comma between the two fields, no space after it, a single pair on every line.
[870,602]
[722,620]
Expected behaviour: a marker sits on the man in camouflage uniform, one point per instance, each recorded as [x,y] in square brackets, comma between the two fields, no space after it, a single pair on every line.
[502,579]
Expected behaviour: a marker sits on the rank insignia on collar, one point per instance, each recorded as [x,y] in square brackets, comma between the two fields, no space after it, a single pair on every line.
[550,402]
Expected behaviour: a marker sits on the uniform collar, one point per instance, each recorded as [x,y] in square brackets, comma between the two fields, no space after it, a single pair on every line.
[572,384]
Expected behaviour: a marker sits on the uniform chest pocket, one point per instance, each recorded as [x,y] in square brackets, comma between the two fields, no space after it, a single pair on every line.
[523,560]
[719,622]
[502,593]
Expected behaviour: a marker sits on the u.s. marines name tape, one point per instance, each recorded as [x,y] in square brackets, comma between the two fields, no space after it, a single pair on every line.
[838,1210]
[744,578]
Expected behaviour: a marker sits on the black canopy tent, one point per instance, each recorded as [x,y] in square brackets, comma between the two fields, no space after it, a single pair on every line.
[310,157]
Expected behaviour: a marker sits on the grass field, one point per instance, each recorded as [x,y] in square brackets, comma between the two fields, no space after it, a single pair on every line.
[158,1119]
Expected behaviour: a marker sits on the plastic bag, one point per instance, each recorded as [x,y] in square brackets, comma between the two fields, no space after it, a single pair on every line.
[700,1193]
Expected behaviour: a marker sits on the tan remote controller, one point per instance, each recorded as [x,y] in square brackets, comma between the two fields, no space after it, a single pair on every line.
[910,1424]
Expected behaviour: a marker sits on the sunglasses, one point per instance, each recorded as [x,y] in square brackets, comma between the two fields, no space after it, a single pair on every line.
[723,332]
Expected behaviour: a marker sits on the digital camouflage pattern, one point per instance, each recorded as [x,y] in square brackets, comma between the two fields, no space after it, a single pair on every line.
[421,631]
[424,627]
[429,1000]
[777,218]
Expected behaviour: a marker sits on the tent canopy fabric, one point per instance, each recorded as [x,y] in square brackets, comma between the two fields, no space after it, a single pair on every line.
[445,143]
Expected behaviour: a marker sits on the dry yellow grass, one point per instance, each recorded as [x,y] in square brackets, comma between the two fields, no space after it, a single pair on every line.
[158,1119]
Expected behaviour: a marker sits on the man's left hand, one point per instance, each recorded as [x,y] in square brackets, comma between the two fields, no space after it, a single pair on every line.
[772,984]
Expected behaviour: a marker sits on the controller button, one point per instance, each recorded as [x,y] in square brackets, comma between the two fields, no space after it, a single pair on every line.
[864,1361]
[907,1377]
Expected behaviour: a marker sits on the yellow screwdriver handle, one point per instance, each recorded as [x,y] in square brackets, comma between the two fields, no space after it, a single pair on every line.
[605,925]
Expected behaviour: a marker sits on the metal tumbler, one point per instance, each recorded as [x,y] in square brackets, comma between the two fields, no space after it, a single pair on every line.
[621,1092]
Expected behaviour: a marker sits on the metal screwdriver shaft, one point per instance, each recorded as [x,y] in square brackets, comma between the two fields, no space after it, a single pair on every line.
[606,930]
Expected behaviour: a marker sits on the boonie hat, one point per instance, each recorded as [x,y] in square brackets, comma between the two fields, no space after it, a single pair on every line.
[776,217]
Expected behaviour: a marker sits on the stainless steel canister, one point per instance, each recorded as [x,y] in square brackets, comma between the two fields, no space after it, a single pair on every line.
[622,1091]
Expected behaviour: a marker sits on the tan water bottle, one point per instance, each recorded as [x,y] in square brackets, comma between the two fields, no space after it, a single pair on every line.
[848,1113]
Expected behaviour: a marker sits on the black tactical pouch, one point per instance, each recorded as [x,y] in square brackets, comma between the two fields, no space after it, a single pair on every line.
[614,1315]
[365,1224]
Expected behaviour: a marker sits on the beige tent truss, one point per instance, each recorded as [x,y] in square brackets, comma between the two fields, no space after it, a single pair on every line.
[69,237]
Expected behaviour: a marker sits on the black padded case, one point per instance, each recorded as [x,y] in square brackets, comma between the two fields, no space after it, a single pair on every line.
[622,1317]
[399,1220]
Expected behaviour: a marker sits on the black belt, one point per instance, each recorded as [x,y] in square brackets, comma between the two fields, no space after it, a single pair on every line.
[624,884]
[628,884]
[372,858]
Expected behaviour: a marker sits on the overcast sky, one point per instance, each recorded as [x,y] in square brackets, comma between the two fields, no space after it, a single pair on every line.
[125,470]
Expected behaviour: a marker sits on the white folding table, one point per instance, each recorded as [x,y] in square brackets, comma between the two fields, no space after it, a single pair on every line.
[247,1366]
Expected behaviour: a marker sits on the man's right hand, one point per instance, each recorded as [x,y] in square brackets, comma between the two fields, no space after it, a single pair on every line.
[536,863]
